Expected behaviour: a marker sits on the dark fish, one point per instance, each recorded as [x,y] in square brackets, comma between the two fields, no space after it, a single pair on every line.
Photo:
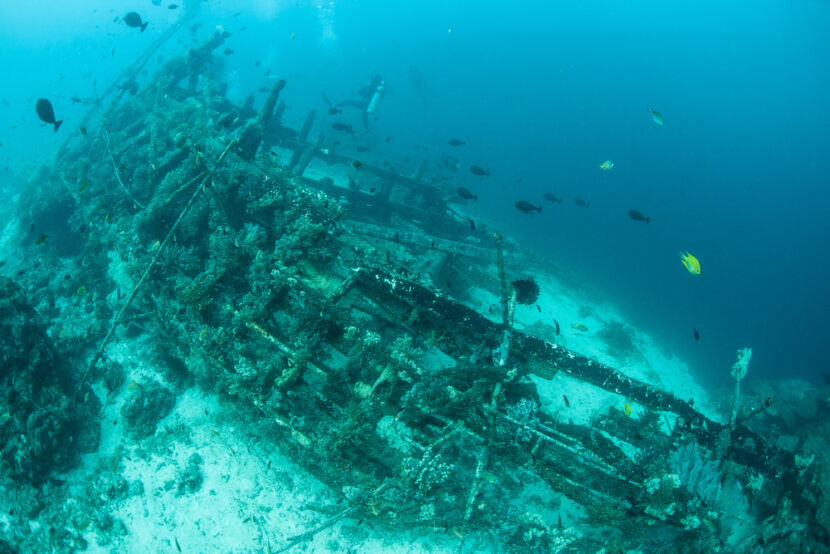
[132,19]
[257,63]
[552,198]
[357,165]
[195,26]
[556,323]
[580,202]
[337,126]
[567,402]
[83,130]
[637,216]
[130,86]
[172,6]
[41,240]
[75,100]
[362,148]
[388,139]
[46,113]
[472,224]
[527,207]
[480,171]
[456,142]
[228,51]
[697,334]
[335,111]
[466,194]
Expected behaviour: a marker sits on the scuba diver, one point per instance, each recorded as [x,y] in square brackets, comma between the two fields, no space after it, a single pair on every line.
[370,96]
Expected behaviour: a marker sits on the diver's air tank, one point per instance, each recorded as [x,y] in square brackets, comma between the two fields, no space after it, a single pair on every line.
[373,103]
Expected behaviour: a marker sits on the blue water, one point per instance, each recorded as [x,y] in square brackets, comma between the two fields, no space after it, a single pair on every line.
[542,92]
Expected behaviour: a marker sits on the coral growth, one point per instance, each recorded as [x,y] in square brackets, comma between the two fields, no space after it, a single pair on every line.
[619,338]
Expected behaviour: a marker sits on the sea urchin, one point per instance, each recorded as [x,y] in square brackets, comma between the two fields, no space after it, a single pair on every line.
[527,290]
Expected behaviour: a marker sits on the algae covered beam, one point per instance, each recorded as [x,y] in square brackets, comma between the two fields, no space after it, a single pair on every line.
[254,132]
[545,359]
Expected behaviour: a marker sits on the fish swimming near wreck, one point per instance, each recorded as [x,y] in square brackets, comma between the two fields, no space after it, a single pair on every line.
[527,207]
[456,142]
[132,19]
[691,263]
[46,113]
[130,86]
[637,216]
[466,194]
[479,171]
[337,126]
[552,197]
[582,203]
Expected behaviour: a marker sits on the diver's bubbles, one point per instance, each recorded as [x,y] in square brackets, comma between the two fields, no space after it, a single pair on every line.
[270,9]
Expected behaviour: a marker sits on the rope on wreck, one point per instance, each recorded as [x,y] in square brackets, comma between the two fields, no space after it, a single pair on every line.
[117,175]
[199,188]
[133,69]
[294,541]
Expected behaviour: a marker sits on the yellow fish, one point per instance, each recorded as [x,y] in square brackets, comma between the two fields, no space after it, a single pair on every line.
[691,263]
[627,409]
[606,165]
[579,327]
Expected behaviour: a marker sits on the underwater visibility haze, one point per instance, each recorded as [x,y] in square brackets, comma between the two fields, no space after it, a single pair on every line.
[643,184]
[542,93]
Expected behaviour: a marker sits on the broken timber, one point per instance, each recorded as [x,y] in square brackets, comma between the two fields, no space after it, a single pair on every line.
[545,359]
